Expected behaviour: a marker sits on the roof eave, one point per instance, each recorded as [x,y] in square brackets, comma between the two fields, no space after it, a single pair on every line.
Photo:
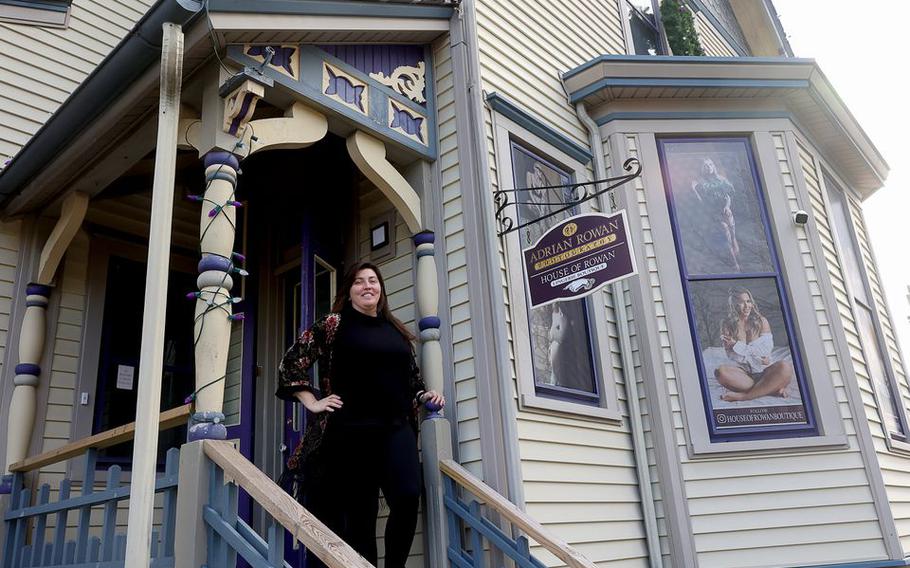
[591,81]
[138,50]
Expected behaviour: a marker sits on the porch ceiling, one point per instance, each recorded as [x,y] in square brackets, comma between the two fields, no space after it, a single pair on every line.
[798,84]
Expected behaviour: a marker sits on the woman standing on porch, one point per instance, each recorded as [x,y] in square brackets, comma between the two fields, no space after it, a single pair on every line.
[363,436]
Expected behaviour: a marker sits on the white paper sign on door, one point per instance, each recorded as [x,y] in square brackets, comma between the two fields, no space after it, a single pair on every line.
[125,375]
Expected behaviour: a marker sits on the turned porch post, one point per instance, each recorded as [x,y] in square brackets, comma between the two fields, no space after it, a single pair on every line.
[435,431]
[428,310]
[21,419]
[214,313]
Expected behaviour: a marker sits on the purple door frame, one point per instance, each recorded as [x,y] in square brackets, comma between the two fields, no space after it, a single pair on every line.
[244,431]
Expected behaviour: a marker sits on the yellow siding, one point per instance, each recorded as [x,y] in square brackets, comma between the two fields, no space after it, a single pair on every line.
[894,466]
[526,46]
[64,363]
[40,67]
[579,475]
[638,206]
[234,375]
[9,259]
[466,413]
[710,39]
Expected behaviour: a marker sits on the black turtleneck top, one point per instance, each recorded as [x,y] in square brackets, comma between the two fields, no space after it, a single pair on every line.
[370,367]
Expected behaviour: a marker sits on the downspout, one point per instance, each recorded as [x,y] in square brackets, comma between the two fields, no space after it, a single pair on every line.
[648,511]
[475,187]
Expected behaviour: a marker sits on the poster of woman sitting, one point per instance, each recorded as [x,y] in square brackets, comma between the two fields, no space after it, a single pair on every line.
[746,354]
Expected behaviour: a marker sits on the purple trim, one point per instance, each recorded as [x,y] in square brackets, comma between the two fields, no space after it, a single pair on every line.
[36,303]
[429,322]
[344,89]
[206,431]
[221,157]
[406,122]
[281,58]
[206,426]
[28,369]
[424,237]
[433,411]
[744,433]
[378,58]
[6,487]
[248,99]
[215,262]
[38,290]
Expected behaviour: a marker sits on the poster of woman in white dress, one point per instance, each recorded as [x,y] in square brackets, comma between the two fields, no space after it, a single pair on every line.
[746,353]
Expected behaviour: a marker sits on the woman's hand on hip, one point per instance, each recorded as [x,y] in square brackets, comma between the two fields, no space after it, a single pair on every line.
[433,397]
[325,404]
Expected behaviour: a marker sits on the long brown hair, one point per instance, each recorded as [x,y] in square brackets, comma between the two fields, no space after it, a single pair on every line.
[754,321]
[343,297]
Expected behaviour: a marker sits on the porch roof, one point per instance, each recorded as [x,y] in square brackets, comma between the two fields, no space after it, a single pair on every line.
[809,98]
[75,147]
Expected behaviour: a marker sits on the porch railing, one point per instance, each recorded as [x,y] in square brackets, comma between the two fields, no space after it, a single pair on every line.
[472,534]
[224,470]
[27,543]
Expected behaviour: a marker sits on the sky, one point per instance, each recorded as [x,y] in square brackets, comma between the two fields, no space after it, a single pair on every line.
[861,48]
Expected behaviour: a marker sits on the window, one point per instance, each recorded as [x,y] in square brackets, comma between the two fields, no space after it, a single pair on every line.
[561,356]
[751,375]
[118,367]
[53,13]
[561,351]
[883,383]
[641,27]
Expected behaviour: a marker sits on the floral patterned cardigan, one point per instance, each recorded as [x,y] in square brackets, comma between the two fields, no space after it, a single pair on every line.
[315,345]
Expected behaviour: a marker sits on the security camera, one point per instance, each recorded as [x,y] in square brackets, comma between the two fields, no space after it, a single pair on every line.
[800,217]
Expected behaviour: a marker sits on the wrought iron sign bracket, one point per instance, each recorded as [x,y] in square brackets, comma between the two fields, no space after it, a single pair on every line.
[574,194]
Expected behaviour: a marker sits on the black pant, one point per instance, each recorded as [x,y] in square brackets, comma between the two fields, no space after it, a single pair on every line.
[360,460]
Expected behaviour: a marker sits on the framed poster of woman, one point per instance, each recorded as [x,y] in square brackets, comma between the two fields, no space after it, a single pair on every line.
[749,363]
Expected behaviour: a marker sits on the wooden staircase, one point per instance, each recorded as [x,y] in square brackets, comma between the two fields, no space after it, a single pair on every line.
[200,526]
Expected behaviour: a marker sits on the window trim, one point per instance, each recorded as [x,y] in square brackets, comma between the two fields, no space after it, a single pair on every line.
[894,442]
[52,14]
[505,131]
[625,13]
[101,249]
[827,412]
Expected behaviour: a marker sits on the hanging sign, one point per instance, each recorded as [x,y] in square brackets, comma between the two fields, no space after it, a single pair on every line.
[578,256]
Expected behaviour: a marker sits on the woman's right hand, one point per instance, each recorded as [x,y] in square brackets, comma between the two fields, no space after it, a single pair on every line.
[326,404]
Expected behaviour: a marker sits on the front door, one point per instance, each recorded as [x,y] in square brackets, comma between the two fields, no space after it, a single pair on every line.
[308,290]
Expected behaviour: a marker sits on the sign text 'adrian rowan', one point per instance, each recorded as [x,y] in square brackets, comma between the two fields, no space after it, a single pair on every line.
[577,257]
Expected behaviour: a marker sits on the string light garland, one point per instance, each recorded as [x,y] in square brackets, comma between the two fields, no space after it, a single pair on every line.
[216,299]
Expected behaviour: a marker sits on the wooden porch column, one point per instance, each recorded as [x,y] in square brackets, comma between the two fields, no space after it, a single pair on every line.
[214,303]
[21,419]
[435,431]
[428,310]
[154,310]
